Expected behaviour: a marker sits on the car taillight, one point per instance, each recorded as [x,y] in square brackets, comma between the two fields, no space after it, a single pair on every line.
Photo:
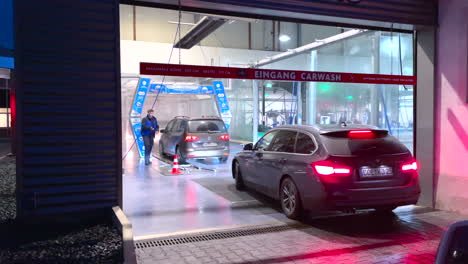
[328,168]
[224,138]
[361,134]
[409,167]
[191,138]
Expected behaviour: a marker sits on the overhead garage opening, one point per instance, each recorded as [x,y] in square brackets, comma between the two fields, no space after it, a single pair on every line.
[158,202]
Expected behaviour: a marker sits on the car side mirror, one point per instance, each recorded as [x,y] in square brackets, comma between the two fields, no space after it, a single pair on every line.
[162,131]
[453,247]
[248,146]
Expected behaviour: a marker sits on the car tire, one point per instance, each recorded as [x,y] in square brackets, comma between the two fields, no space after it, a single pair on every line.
[385,210]
[238,177]
[290,199]
[181,158]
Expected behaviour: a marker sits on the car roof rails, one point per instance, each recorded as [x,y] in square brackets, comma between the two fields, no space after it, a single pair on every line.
[182,117]
[214,117]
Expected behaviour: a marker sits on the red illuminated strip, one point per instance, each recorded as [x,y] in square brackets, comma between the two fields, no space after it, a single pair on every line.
[360,134]
[264,74]
[360,131]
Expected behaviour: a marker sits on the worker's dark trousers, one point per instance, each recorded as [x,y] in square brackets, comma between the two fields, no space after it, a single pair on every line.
[149,142]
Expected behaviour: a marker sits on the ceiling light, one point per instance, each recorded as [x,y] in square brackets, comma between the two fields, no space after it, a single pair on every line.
[197,33]
[284,38]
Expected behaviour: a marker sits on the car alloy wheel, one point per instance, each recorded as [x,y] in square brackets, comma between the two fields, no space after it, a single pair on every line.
[290,199]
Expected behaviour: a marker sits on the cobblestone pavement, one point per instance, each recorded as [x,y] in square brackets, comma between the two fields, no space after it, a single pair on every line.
[407,237]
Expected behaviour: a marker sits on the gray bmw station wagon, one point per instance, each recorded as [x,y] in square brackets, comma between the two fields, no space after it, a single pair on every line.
[329,168]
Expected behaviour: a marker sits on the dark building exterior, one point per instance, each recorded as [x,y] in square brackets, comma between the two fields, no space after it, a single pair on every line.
[67,81]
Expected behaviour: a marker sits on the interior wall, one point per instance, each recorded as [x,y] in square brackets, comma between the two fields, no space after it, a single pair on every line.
[452,109]
[126,22]
[134,52]
[312,33]
[153,25]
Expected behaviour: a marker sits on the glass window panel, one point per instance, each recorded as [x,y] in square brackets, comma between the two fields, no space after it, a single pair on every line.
[4,120]
[283,142]
[207,126]
[265,141]
[305,144]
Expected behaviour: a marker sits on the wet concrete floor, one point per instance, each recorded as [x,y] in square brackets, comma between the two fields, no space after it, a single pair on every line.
[204,196]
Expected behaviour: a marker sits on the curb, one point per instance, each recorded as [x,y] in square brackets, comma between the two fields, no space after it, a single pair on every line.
[125,227]
[240,141]
[4,156]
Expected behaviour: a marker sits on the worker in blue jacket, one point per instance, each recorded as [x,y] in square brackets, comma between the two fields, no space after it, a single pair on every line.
[149,128]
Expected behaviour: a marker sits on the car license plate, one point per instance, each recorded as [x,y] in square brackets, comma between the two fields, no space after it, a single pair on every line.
[210,144]
[382,171]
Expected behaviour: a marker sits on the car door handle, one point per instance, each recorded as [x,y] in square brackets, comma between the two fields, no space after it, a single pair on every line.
[283,161]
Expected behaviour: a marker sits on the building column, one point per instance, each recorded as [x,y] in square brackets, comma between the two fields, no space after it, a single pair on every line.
[255,110]
[374,111]
[424,93]
[312,92]
[299,103]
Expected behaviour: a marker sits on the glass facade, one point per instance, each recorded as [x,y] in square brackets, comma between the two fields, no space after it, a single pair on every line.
[384,106]
[280,102]
[240,96]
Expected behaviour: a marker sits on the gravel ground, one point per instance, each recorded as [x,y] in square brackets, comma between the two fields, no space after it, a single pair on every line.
[90,242]
[95,244]
[7,189]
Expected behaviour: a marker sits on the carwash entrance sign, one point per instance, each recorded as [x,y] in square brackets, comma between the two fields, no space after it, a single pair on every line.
[266,74]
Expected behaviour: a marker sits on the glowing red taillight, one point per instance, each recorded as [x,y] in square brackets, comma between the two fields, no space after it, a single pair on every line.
[328,168]
[224,138]
[361,134]
[191,138]
[409,167]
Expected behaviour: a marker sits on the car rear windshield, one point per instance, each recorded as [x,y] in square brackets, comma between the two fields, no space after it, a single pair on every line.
[344,146]
[207,126]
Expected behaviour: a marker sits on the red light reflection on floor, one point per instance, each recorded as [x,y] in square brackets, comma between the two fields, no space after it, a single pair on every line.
[190,194]
[191,202]
[225,213]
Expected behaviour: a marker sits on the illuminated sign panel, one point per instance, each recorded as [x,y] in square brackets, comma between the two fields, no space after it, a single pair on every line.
[6,34]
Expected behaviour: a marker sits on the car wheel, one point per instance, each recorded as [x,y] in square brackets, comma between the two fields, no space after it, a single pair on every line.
[290,199]
[238,177]
[182,159]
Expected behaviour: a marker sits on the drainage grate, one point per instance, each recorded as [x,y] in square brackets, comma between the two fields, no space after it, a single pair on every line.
[212,236]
